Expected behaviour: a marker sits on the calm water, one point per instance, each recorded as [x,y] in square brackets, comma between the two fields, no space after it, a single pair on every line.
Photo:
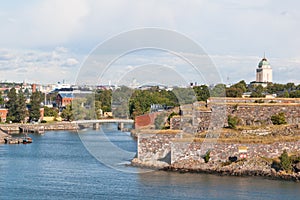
[58,166]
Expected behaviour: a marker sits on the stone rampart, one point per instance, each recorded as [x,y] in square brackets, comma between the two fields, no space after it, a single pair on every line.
[261,113]
[222,151]
[154,147]
[214,114]
[170,148]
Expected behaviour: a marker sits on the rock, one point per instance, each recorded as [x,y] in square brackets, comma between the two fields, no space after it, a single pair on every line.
[297,167]
[273,171]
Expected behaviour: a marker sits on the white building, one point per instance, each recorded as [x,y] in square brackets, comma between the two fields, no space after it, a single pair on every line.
[264,72]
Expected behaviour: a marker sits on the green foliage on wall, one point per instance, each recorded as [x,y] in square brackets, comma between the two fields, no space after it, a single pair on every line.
[278,119]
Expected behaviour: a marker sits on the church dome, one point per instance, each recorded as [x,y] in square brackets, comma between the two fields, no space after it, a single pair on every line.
[264,62]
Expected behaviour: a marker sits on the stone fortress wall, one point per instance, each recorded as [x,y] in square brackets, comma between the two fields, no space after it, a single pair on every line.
[245,109]
[168,148]
[171,148]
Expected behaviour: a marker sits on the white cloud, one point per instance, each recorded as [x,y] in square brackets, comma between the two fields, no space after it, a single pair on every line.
[71,62]
[45,23]
[235,32]
[39,66]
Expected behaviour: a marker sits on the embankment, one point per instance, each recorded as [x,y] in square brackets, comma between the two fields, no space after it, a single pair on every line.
[15,128]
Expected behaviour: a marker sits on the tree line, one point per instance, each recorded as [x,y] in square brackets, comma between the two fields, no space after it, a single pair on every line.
[125,102]
[18,110]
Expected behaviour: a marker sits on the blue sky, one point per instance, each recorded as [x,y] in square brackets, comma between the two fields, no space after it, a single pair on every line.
[48,41]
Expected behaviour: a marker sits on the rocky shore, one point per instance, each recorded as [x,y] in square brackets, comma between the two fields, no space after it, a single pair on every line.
[250,167]
[2,136]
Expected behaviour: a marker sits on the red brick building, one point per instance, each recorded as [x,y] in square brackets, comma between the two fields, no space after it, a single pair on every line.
[145,120]
[63,99]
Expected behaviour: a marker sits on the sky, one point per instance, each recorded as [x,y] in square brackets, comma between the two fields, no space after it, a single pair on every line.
[46,41]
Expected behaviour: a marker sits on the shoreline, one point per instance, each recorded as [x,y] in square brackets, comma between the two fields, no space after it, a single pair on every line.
[260,168]
[3,135]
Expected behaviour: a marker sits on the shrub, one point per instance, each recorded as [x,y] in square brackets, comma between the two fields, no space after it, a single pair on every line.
[207,156]
[285,161]
[276,165]
[171,115]
[43,121]
[278,119]
[259,101]
[232,121]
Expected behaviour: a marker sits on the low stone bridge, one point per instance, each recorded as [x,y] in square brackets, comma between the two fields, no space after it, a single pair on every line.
[96,122]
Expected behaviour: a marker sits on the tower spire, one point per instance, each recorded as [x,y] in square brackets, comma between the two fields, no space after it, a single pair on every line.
[264,55]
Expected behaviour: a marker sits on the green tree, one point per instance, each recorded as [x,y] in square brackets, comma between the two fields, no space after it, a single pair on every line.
[35,105]
[81,109]
[141,100]
[97,109]
[12,105]
[290,86]
[240,85]
[284,94]
[21,107]
[105,97]
[184,95]
[237,89]
[50,112]
[275,88]
[234,92]
[202,92]
[1,99]
[16,106]
[258,92]
[67,113]
[295,94]
[218,91]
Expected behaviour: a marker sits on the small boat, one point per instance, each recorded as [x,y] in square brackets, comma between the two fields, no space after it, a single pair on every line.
[27,140]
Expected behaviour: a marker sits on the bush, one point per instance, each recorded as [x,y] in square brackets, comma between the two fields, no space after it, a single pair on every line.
[232,121]
[278,119]
[207,156]
[171,115]
[285,161]
[259,101]
[43,121]
[276,165]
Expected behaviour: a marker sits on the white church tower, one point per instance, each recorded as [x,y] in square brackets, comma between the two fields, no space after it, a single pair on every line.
[264,72]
